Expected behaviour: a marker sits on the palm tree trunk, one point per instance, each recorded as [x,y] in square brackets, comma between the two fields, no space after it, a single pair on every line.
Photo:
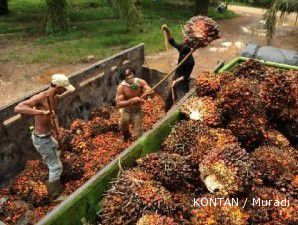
[3,7]
[57,18]
[201,7]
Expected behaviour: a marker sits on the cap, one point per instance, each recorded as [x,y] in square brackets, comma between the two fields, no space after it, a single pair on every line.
[61,80]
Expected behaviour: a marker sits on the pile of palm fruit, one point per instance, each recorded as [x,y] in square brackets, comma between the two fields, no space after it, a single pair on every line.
[199,31]
[86,148]
[247,154]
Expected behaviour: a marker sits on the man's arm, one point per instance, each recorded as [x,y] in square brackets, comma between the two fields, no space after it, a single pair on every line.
[26,107]
[170,37]
[121,103]
[147,89]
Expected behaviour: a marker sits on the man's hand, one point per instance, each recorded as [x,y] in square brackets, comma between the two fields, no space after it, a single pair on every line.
[45,112]
[164,27]
[173,84]
[135,100]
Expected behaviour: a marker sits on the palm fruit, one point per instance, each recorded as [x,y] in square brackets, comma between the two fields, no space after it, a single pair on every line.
[212,140]
[102,112]
[156,219]
[251,69]
[237,99]
[208,84]
[72,167]
[221,214]
[182,139]
[227,172]
[30,184]
[80,127]
[201,109]
[270,214]
[132,194]
[276,92]
[250,131]
[172,170]
[287,122]
[66,140]
[275,138]
[199,31]
[277,167]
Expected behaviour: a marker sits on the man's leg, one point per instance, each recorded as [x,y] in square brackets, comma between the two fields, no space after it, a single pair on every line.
[124,124]
[47,147]
[137,124]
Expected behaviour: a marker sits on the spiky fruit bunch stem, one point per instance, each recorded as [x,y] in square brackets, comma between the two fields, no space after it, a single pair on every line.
[131,195]
[230,167]
[202,109]
[199,31]
[172,170]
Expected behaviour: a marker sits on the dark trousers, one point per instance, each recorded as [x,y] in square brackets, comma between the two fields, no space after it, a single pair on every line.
[179,91]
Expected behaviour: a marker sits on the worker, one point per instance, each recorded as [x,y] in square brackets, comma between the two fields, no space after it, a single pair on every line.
[130,93]
[42,138]
[181,79]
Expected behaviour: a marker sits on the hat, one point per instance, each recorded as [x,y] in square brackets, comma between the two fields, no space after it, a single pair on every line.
[61,80]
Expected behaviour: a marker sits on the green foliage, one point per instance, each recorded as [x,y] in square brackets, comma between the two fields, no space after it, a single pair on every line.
[93,30]
[282,6]
[129,11]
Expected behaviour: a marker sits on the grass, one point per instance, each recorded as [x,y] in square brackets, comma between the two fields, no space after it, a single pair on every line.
[94,30]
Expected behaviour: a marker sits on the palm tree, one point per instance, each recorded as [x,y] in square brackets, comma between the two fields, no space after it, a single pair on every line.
[57,19]
[129,11]
[3,7]
[282,6]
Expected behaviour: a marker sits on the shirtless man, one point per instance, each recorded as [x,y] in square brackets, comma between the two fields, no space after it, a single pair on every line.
[43,141]
[128,100]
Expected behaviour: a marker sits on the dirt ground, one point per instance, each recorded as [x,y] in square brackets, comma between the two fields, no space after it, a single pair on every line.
[16,80]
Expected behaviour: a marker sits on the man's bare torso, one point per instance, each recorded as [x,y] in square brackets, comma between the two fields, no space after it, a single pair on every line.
[42,122]
[129,93]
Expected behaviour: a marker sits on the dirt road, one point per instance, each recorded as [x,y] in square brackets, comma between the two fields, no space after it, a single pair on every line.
[18,80]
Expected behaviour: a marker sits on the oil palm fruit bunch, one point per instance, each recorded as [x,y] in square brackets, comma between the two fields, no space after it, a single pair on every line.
[276,92]
[275,138]
[270,214]
[156,219]
[219,215]
[277,167]
[66,140]
[237,99]
[250,131]
[72,167]
[251,69]
[171,170]
[182,139]
[102,112]
[30,184]
[202,109]
[199,31]
[132,194]
[208,84]
[227,172]
[80,127]
[212,140]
